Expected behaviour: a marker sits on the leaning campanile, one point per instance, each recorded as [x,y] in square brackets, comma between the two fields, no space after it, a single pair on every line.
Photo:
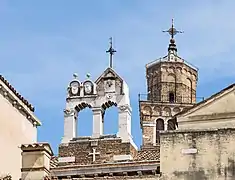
[171,87]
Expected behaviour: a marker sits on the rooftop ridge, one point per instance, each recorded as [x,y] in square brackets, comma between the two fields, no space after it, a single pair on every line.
[30,106]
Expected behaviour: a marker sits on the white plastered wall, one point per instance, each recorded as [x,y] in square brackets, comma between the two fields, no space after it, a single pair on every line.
[15,129]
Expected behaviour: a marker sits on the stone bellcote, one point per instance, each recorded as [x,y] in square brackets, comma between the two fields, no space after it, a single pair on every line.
[108,90]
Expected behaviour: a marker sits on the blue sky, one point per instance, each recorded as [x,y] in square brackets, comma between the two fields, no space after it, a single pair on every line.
[42,43]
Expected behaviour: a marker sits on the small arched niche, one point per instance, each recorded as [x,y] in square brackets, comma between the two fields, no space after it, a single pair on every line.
[171,125]
[171,78]
[147,110]
[171,97]
[166,111]
[159,127]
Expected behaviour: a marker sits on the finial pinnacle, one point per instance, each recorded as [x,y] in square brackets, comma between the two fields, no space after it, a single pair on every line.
[75,75]
[111,52]
[88,75]
[111,41]
[172,31]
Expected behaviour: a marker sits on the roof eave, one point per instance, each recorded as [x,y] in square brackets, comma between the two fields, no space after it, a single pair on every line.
[18,104]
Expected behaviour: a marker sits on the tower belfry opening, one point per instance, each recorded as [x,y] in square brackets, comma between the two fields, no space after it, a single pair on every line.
[171,87]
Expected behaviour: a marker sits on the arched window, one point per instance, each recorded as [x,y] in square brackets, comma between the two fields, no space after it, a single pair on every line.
[159,127]
[171,97]
[171,124]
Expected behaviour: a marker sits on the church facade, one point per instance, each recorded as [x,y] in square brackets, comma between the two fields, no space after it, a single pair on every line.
[18,125]
[182,139]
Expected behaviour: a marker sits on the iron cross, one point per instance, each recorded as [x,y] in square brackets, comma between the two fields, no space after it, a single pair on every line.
[111,52]
[172,31]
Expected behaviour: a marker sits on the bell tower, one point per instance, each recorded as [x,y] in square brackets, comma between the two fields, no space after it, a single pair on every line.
[171,87]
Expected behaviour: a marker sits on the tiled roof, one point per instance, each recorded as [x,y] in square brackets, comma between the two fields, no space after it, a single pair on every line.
[149,154]
[30,106]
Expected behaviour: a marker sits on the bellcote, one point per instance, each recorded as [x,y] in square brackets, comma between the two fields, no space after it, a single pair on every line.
[108,90]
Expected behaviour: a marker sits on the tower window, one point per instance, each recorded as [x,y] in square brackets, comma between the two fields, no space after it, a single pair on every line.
[171,97]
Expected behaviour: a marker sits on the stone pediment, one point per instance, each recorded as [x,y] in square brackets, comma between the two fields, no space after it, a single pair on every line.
[109,82]
[221,103]
[109,73]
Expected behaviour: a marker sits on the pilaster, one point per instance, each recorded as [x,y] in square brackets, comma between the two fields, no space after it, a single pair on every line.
[124,124]
[70,129]
[97,122]
[35,161]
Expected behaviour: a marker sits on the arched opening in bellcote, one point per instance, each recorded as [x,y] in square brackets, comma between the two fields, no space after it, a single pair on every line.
[110,117]
[84,120]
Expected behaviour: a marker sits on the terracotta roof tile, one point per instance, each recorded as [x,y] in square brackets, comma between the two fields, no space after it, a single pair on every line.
[149,154]
[30,106]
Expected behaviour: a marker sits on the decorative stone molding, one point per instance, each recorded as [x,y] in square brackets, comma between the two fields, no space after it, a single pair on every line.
[69,112]
[109,96]
[139,173]
[124,108]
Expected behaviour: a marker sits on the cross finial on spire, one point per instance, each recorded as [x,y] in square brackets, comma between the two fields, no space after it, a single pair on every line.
[172,31]
[111,52]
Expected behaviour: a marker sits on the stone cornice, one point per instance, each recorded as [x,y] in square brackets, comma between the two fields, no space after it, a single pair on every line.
[216,117]
[109,165]
[112,169]
[18,102]
[42,146]
[190,131]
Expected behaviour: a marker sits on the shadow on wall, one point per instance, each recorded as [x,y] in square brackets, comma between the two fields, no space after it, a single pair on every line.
[222,173]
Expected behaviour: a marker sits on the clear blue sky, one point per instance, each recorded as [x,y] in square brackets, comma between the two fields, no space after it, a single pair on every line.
[42,43]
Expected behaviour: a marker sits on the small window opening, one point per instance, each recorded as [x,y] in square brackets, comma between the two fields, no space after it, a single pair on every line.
[171,97]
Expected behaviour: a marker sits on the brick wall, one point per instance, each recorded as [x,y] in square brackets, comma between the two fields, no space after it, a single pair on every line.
[107,147]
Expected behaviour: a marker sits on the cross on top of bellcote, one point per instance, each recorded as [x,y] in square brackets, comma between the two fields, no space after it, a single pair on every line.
[111,52]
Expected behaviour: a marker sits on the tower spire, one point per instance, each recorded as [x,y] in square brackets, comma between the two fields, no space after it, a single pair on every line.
[111,52]
[172,32]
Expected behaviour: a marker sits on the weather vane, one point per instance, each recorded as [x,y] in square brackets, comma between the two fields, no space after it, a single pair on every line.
[172,31]
[111,52]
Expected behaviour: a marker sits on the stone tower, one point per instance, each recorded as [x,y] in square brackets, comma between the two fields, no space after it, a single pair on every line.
[171,87]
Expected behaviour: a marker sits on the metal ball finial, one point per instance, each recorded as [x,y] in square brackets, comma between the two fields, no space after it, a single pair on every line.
[88,75]
[75,75]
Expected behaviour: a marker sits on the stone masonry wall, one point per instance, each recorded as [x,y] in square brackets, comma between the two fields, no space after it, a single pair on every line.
[198,154]
[107,148]
[119,178]
[162,78]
